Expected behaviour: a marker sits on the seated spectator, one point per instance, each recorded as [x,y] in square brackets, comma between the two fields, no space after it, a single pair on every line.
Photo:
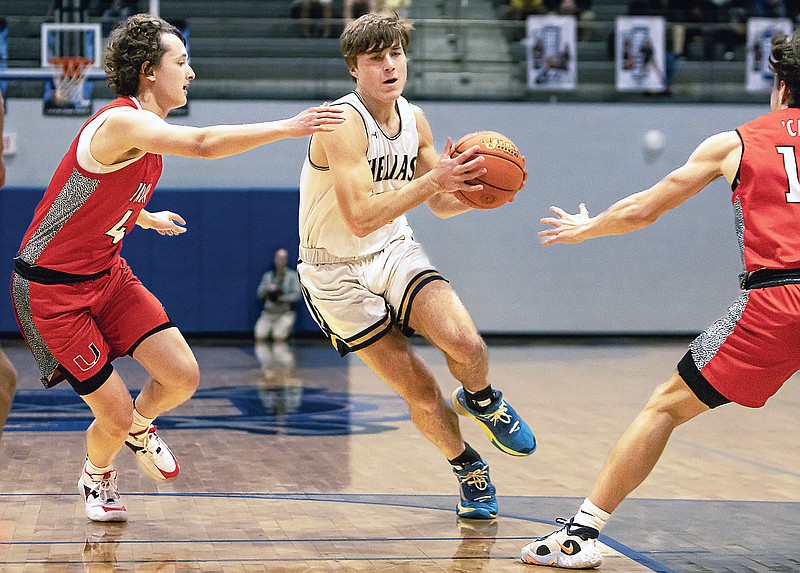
[733,34]
[581,9]
[768,9]
[673,13]
[699,38]
[521,9]
[310,12]
[352,9]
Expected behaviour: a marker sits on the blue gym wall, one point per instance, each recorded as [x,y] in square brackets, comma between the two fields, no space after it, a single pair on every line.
[674,277]
[207,277]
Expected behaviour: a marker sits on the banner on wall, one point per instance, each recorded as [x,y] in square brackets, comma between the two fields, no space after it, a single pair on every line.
[760,32]
[550,45]
[640,53]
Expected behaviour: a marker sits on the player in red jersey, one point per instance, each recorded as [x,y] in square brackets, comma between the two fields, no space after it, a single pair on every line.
[76,301]
[747,355]
[8,376]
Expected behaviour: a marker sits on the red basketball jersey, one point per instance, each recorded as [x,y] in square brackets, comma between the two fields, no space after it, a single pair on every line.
[79,224]
[766,193]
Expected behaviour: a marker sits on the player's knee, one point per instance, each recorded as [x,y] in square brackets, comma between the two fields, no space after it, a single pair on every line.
[672,403]
[430,405]
[469,350]
[119,424]
[186,377]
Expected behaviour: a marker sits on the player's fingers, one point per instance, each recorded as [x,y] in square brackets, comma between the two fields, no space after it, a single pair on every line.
[549,234]
[330,114]
[448,148]
[177,218]
[473,164]
[469,154]
[469,174]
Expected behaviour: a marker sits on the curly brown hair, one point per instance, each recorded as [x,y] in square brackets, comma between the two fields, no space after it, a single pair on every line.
[372,33]
[785,64]
[134,42]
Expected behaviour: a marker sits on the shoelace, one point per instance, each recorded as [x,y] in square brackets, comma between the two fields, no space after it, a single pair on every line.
[107,489]
[148,443]
[499,415]
[476,478]
[577,530]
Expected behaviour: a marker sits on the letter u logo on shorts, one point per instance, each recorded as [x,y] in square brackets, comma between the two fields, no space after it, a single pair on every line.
[84,364]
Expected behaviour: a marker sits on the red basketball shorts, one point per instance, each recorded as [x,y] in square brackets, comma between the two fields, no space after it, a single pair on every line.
[747,355]
[75,330]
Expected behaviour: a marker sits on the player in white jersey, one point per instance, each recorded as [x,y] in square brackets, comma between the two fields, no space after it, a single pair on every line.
[368,284]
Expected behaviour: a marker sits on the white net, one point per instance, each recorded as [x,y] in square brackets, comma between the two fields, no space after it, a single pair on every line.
[69,78]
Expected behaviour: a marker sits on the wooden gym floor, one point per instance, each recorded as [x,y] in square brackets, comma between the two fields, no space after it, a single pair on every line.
[303,461]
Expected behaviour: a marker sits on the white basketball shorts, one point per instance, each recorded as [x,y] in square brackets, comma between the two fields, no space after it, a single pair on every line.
[356,302]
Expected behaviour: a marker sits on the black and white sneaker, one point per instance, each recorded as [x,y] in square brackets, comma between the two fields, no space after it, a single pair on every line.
[571,547]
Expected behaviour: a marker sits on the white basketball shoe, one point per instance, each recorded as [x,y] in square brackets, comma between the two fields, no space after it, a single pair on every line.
[154,456]
[102,497]
[571,547]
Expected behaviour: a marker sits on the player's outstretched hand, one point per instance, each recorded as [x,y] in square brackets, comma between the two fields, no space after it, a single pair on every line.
[453,173]
[315,119]
[163,222]
[565,227]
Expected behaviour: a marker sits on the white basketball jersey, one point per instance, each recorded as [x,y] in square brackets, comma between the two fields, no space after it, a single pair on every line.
[324,234]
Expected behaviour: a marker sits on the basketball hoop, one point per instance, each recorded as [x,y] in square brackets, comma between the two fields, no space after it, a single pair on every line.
[69,77]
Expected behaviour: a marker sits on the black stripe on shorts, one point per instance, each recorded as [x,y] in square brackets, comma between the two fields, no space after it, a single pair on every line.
[701,387]
[86,387]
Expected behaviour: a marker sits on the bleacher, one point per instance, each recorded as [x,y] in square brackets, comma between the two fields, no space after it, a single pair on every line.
[461,49]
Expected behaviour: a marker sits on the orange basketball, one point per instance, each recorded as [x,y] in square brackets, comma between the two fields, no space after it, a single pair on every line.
[506,170]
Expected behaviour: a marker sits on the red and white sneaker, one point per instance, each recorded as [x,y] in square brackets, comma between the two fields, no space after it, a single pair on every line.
[102,497]
[154,456]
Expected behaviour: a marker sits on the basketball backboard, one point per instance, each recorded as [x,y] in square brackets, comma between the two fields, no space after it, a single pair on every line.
[64,40]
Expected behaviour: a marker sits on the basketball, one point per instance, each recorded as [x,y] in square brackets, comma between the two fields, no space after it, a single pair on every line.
[506,170]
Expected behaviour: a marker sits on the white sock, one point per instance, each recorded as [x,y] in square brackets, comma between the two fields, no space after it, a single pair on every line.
[94,472]
[140,423]
[590,515]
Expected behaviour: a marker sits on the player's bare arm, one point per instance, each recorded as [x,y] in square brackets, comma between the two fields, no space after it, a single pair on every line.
[130,133]
[717,156]
[343,151]
[162,222]
[442,205]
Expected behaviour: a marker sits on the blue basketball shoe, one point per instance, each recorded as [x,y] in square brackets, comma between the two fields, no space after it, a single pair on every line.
[503,426]
[477,492]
